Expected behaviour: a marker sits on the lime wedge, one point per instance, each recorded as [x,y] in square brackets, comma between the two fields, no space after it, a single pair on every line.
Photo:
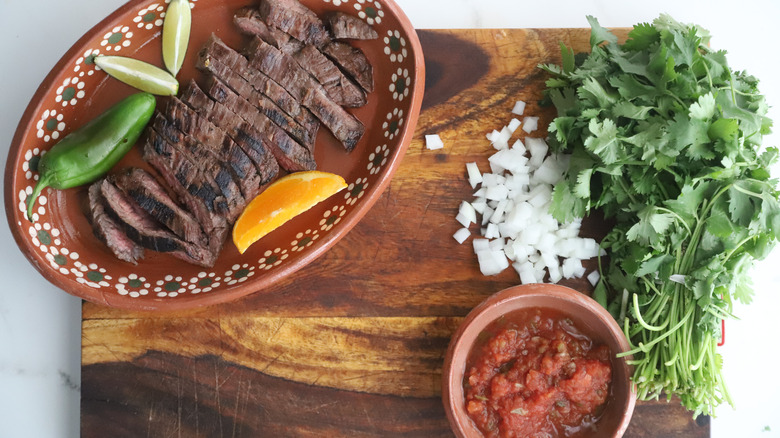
[176,34]
[139,74]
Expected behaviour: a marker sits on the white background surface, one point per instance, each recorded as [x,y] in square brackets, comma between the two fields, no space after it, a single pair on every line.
[40,325]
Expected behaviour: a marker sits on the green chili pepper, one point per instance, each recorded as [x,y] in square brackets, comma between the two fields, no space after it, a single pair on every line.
[89,152]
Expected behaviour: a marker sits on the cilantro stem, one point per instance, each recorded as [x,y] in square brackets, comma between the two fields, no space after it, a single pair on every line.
[641,320]
[644,348]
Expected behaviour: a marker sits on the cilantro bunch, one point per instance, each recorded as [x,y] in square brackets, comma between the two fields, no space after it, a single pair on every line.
[664,139]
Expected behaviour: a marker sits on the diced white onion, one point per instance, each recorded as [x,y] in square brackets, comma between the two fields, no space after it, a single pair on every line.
[467,210]
[519,108]
[530,124]
[513,125]
[475,176]
[594,278]
[433,142]
[513,201]
[461,235]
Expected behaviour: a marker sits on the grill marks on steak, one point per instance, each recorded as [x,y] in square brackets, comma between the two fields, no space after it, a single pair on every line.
[353,61]
[215,172]
[218,144]
[245,135]
[285,71]
[153,198]
[249,22]
[227,64]
[146,231]
[295,19]
[338,87]
[109,231]
[290,154]
[344,26]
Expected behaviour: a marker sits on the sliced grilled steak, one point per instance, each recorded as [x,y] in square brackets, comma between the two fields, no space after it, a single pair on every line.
[204,161]
[217,58]
[241,86]
[295,19]
[353,61]
[285,71]
[191,187]
[341,89]
[344,26]
[245,135]
[216,142]
[249,22]
[109,231]
[144,189]
[290,155]
[147,232]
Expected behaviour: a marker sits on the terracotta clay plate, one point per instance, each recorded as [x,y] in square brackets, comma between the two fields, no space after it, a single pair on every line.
[60,243]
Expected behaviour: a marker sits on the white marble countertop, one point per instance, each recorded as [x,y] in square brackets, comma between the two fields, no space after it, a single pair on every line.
[40,325]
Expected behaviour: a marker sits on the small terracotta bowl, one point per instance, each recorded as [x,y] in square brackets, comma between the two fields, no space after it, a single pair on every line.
[587,315]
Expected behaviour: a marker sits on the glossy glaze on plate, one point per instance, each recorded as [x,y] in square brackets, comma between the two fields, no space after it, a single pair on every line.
[60,243]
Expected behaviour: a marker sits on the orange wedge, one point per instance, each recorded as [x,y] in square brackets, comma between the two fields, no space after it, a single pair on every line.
[286,198]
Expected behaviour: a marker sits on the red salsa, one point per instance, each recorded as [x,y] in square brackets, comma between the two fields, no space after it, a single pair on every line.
[532,373]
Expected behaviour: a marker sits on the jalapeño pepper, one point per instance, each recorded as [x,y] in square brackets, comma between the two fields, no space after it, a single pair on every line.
[89,152]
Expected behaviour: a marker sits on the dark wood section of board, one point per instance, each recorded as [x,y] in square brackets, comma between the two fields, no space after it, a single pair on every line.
[353,344]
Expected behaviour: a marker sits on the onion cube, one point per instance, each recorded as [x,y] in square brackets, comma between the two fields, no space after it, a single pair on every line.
[463,220]
[468,212]
[497,192]
[538,149]
[498,213]
[496,244]
[461,235]
[480,193]
[475,176]
[492,231]
[479,205]
[519,108]
[433,142]
[486,215]
[572,268]
[492,262]
[555,273]
[481,245]
[493,136]
[594,278]
[519,146]
[513,125]
[530,124]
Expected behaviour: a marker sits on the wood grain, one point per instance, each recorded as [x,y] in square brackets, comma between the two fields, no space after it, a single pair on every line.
[353,344]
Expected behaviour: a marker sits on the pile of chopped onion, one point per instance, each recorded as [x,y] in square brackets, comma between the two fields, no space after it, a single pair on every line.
[511,208]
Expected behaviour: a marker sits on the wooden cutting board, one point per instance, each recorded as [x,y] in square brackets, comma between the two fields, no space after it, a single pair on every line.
[352,344]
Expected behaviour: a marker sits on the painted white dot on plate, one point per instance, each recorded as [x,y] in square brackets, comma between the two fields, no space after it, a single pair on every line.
[134,294]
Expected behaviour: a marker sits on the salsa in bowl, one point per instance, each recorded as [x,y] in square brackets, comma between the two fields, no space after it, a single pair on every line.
[538,360]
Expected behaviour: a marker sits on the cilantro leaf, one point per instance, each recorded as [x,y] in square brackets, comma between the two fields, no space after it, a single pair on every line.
[642,36]
[704,108]
[603,140]
[599,34]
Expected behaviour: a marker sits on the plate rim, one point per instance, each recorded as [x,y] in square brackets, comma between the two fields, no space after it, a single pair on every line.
[223,296]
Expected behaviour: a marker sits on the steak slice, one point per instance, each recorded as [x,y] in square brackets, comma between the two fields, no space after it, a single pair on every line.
[295,19]
[249,22]
[144,189]
[241,86]
[345,26]
[353,61]
[147,232]
[245,135]
[217,58]
[109,231]
[191,187]
[216,142]
[341,89]
[203,160]
[290,155]
[285,71]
